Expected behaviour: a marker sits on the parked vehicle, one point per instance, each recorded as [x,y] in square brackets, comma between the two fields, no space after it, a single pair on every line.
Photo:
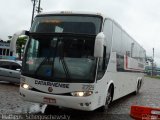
[10,70]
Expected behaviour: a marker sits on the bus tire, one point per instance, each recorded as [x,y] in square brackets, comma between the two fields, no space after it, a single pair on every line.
[138,87]
[50,109]
[108,101]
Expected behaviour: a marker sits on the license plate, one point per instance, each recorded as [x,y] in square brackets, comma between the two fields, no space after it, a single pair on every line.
[49,100]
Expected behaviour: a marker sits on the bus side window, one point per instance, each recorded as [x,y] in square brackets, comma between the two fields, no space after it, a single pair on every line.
[104,64]
[128,53]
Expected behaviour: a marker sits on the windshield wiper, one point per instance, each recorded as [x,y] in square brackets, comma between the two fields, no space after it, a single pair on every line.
[65,67]
[61,58]
[43,61]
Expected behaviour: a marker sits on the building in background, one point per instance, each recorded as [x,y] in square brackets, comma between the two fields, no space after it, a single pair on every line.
[5,52]
[148,69]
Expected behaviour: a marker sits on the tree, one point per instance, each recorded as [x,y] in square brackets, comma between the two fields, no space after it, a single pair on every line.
[21,41]
[9,39]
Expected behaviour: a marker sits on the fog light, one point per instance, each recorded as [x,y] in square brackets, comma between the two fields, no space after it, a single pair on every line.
[81,104]
[87,104]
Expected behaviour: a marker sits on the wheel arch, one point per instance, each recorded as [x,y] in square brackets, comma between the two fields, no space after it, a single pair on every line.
[138,86]
[139,81]
[110,84]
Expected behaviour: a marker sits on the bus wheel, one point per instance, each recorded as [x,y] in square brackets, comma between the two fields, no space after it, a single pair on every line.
[108,100]
[50,109]
[138,88]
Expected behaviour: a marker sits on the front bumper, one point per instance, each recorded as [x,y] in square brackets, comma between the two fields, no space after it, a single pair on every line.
[80,103]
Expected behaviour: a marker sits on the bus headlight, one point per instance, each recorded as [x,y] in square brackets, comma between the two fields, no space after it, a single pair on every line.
[82,93]
[25,86]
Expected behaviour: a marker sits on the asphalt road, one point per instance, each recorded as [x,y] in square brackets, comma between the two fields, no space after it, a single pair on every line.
[11,103]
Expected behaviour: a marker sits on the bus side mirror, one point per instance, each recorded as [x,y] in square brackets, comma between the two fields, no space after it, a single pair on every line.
[14,40]
[99,45]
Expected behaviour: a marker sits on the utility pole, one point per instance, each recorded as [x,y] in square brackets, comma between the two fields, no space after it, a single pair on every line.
[39,6]
[153,64]
[34,4]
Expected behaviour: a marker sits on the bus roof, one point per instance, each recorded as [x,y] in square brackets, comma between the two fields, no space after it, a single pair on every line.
[71,13]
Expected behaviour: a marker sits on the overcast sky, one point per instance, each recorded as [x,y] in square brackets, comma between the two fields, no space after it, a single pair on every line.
[140,18]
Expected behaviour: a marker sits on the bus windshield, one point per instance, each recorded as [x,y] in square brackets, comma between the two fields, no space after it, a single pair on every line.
[60,58]
[60,49]
[67,24]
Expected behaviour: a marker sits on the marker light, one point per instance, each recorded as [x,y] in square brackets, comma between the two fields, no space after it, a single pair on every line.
[66,12]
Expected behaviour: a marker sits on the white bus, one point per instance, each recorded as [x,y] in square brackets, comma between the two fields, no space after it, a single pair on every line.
[79,60]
